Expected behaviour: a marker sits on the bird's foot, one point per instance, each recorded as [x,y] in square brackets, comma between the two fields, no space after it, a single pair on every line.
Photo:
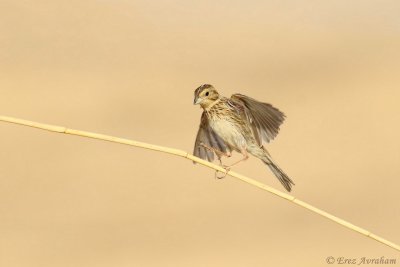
[227,169]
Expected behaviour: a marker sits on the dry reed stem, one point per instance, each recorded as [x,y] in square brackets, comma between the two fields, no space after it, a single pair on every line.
[172,151]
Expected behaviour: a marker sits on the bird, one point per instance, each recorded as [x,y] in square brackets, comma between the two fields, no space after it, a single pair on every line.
[239,123]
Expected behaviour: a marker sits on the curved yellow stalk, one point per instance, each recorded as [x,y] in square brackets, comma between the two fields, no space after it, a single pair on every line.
[177,152]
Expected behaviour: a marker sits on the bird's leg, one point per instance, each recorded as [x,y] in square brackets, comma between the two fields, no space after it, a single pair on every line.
[228,167]
[217,152]
[219,155]
[245,157]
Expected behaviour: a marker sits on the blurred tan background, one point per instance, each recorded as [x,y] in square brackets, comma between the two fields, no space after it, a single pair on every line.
[129,69]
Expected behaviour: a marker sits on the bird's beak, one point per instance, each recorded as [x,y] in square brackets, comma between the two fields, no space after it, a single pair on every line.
[197,100]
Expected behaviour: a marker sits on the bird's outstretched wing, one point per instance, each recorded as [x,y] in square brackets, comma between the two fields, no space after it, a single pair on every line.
[263,118]
[209,138]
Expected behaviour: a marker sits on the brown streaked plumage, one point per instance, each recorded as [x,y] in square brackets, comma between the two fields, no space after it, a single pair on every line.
[239,123]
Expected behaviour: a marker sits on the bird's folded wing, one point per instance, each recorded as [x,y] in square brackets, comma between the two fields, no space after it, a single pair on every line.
[209,138]
[263,118]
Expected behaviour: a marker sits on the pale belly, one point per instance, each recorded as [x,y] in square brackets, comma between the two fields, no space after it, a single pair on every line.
[230,133]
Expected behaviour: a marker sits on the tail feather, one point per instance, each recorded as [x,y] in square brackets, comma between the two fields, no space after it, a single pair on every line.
[282,177]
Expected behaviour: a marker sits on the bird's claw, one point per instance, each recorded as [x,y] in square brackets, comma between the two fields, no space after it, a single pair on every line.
[227,169]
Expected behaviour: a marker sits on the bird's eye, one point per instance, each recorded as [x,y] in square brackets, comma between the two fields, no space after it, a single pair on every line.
[207,93]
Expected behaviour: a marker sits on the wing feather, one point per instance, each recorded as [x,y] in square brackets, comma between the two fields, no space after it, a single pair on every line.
[208,137]
[263,118]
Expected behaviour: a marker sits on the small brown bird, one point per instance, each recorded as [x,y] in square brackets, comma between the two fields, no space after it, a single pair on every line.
[239,123]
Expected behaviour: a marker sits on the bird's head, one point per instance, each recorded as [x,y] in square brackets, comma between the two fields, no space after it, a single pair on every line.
[205,95]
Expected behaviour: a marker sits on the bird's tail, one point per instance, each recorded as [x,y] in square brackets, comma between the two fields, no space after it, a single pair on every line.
[282,177]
